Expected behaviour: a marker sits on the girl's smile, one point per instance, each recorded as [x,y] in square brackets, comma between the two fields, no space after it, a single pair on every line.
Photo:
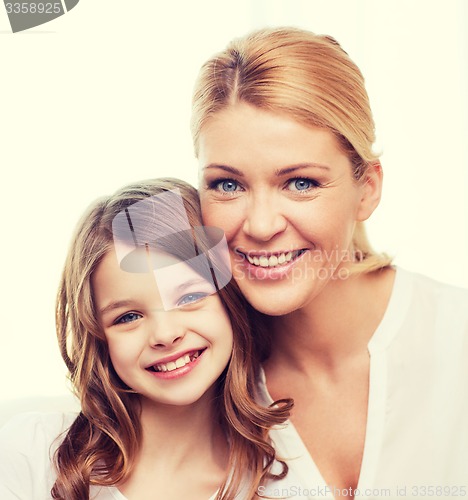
[168,334]
[176,365]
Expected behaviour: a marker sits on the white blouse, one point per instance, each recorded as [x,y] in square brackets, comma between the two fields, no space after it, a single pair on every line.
[416,443]
[28,442]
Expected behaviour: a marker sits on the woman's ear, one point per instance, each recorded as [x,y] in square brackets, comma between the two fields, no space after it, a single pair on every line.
[371,190]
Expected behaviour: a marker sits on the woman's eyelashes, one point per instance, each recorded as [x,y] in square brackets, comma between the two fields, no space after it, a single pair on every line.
[231,186]
[302,184]
[224,186]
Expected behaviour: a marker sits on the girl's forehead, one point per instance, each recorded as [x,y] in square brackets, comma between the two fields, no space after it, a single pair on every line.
[162,286]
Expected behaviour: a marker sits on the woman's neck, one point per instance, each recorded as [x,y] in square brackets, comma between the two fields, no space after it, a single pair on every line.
[335,326]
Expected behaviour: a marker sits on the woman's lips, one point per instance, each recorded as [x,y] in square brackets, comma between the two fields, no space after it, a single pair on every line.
[273,259]
[269,265]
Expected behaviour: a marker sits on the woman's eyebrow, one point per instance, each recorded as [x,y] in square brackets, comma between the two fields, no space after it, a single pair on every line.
[279,172]
[226,168]
[293,168]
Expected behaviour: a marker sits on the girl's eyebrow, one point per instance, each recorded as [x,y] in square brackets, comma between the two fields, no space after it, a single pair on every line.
[115,305]
[279,172]
[195,281]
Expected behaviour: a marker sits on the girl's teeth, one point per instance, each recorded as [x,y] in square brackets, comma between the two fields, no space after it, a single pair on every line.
[273,260]
[171,366]
[178,363]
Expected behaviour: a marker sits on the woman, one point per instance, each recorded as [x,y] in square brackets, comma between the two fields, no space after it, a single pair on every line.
[373,356]
[156,341]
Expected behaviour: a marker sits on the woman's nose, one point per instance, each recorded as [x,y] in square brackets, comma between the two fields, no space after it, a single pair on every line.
[166,329]
[263,219]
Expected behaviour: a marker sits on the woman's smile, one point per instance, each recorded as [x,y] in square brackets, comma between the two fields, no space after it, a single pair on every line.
[285,196]
[268,265]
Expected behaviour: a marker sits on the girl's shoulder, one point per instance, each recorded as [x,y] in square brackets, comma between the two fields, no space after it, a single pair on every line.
[34,427]
[27,444]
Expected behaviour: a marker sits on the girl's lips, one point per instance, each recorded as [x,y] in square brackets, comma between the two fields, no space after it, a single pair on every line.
[276,267]
[175,356]
[169,370]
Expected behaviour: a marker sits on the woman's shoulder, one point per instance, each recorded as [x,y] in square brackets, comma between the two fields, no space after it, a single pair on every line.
[427,305]
[429,289]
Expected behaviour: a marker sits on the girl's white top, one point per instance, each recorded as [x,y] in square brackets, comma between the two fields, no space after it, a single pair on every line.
[29,440]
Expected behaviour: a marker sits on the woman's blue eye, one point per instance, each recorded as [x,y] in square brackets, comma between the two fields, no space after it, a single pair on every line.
[190,298]
[228,186]
[301,184]
[128,318]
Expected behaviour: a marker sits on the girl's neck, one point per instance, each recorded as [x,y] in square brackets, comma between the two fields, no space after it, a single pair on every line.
[175,434]
[183,452]
[335,326]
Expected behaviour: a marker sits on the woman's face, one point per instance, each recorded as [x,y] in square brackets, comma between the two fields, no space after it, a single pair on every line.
[284,194]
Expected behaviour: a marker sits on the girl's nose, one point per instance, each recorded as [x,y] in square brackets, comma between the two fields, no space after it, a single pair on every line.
[166,330]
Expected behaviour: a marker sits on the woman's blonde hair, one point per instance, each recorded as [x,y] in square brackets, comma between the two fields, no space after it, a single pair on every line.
[306,76]
[102,443]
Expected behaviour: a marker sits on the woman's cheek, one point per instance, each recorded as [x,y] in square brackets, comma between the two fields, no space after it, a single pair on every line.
[220,214]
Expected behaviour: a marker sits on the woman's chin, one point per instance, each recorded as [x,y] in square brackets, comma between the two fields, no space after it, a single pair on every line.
[270,302]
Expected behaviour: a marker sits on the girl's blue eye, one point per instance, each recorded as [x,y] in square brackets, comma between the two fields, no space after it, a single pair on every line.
[128,318]
[227,185]
[301,184]
[190,298]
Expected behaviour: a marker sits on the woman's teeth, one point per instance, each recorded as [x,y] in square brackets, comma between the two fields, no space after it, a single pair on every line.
[274,260]
[178,363]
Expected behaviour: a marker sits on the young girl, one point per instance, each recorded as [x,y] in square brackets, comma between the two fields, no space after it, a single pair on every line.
[160,354]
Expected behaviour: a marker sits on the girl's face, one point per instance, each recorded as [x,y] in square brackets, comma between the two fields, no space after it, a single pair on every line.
[284,194]
[168,334]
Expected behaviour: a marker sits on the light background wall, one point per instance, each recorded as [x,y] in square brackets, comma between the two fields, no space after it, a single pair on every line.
[101,97]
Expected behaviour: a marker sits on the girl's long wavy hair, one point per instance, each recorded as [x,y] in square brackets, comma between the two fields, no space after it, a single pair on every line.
[102,443]
[307,77]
